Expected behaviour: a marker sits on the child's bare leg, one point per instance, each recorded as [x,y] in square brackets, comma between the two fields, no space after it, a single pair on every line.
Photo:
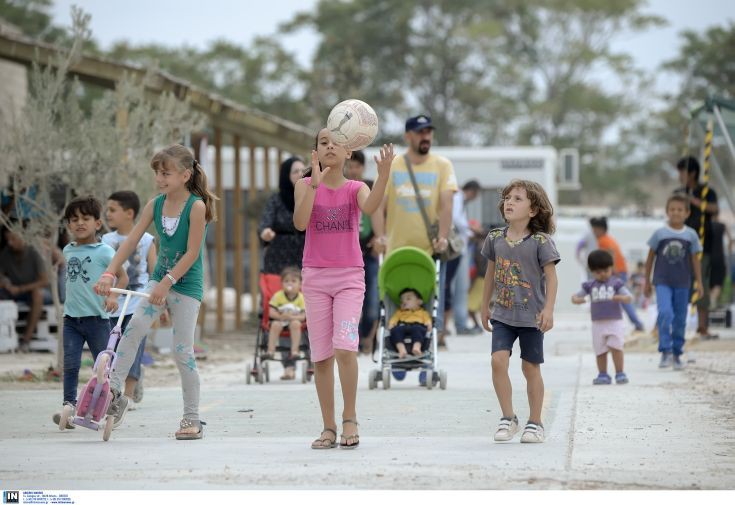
[347,368]
[401,348]
[273,333]
[501,381]
[602,362]
[130,384]
[416,350]
[535,389]
[294,327]
[617,357]
[324,380]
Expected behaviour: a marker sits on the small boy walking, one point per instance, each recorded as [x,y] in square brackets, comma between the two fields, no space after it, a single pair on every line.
[607,294]
[675,249]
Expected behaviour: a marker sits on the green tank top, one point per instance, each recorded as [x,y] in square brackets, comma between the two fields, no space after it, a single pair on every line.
[174,247]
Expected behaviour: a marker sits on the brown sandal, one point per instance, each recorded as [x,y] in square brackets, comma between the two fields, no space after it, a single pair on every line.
[356,436]
[319,442]
[190,423]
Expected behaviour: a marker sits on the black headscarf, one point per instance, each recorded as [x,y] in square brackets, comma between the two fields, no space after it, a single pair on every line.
[285,185]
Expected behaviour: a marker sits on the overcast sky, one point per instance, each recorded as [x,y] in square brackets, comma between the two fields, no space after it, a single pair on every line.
[195,23]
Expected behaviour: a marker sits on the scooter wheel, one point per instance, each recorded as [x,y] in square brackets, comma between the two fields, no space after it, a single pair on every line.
[65,415]
[108,428]
[102,368]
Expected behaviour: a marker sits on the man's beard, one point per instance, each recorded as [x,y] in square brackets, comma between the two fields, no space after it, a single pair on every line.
[424,147]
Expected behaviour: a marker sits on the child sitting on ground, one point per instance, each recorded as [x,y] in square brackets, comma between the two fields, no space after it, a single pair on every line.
[410,322]
[607,293]
[287,310]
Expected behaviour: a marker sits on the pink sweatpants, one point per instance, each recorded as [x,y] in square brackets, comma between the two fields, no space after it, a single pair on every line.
[333,299]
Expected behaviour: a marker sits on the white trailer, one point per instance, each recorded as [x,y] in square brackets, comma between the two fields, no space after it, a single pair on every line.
[494,167]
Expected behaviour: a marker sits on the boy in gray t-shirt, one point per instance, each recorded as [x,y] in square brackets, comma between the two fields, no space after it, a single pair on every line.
[675,249]
[521,268]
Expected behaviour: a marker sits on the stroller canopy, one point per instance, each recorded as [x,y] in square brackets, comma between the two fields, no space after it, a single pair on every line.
[407,267]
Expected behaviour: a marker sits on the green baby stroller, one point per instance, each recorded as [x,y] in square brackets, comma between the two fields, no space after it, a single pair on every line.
[407,267]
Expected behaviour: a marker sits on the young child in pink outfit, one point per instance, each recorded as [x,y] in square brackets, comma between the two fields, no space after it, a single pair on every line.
[328,207]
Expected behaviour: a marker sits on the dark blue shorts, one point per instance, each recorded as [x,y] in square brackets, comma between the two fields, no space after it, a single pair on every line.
[530,339]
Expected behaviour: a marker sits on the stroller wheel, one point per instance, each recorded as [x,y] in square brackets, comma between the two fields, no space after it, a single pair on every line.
[267,371]
[372,379]
[304,373]
[261,374]
[443,379]
[248,373]
[430,379]
[386,378]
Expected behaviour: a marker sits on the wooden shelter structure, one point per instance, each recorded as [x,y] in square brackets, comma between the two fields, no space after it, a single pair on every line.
[231,123]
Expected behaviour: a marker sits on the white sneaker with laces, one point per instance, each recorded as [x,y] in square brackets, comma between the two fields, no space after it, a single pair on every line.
[507,428]
[533,433]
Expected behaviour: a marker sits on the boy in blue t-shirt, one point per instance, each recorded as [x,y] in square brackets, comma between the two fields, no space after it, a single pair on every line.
[675,248]
[607,293]
[86,315]
[121,213]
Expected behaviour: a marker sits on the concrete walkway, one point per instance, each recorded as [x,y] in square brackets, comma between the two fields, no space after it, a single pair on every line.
[656,432]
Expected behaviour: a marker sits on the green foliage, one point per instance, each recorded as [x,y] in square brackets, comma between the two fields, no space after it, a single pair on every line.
[58,148]
[263,76]
[510,72]
[32,17]
[705,62]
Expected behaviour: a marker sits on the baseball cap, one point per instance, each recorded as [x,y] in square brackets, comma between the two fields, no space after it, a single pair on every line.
[418,123]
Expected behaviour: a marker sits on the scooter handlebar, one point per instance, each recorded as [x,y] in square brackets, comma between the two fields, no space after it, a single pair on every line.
[128,292]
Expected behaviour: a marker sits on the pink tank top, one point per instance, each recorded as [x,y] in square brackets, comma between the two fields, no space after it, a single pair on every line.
[333,234]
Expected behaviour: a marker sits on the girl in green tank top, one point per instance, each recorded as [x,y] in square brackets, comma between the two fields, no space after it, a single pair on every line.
[180,215]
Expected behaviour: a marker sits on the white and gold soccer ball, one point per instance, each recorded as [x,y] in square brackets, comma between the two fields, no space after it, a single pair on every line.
[353,124]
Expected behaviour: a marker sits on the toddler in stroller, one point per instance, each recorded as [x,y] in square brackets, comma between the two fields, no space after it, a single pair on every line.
[409,324]
[408,279]
[286,310]
[282,328]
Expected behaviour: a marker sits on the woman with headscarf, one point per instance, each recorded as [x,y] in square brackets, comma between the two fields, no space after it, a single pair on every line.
[284,243]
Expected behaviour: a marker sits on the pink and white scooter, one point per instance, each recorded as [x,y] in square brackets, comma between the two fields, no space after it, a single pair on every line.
[95,397]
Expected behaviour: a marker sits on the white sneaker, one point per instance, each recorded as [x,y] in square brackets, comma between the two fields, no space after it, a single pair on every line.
[507,428]
[533,433]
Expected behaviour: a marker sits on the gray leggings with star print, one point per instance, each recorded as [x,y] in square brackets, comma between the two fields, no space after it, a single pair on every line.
[184,311]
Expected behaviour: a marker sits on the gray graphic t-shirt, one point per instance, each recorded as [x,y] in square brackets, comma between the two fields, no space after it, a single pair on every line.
[601,294]
[674,250]
[520,284]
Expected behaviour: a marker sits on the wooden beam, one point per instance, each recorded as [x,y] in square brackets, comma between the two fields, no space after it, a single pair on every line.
[266,169]
[253,235]
[279,160]
[220,245]
[237,233]
[253,126]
